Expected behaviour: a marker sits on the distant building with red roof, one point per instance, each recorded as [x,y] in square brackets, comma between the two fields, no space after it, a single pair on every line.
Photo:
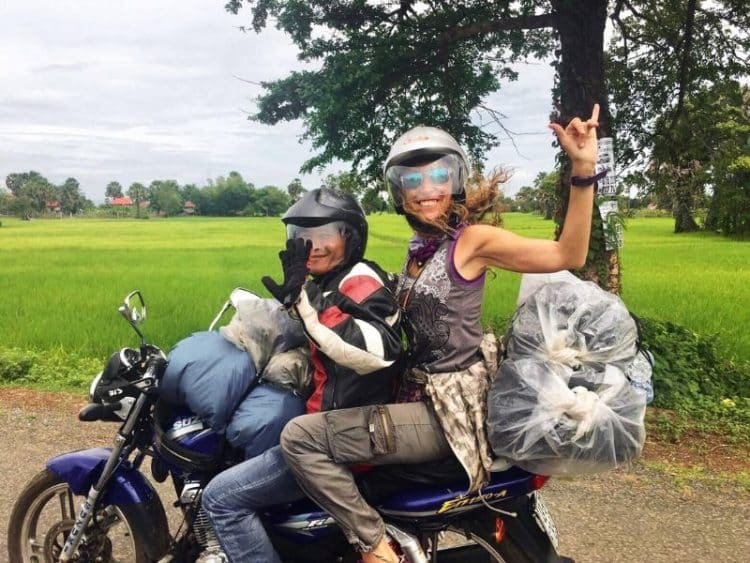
[121,201]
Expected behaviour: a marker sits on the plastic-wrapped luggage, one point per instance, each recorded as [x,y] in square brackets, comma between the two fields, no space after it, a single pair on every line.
[257,422]
[216,374]
[208,374]
[561,402]
[263,328]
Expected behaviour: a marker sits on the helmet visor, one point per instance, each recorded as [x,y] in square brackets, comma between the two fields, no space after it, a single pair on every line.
[441,176]
[321,235]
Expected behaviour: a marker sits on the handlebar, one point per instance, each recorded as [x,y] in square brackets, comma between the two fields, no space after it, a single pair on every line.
[154,370]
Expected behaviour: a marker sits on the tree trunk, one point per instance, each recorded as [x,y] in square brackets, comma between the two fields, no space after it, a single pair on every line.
[580,25]
[683,199]
[683,212]
[712,218]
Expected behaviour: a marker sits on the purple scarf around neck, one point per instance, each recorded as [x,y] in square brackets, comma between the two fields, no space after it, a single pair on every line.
[421,249]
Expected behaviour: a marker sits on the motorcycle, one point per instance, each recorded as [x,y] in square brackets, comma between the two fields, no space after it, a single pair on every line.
[120,516]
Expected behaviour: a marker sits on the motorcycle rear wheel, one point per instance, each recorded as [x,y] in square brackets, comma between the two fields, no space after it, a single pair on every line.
[44,514]
[476,549]
[516,539]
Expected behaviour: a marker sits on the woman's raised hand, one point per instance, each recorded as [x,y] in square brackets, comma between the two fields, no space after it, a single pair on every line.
[578,139]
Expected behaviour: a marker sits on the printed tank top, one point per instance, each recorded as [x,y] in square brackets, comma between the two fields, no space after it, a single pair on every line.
[442,313]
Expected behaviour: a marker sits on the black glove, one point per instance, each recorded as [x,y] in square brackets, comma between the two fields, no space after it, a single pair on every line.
[294,266]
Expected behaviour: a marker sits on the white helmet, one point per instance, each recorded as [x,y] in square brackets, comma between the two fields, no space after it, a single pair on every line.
[423,141]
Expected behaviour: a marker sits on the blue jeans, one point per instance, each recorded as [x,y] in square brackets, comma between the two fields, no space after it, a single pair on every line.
[233,498]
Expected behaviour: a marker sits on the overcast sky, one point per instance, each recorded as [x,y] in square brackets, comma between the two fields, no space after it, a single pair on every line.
[143,90]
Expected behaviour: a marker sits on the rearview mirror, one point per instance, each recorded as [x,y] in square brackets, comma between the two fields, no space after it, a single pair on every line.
[133,309]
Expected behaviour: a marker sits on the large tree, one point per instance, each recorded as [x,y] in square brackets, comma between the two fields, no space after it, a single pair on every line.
[138,193]
[664,54]
[295,189]
[387,66]
[71,199]
[113,190]
[32,192]
[164,197]
[269,200]
[729,212]
[232,195]
[546,184]
[349,182]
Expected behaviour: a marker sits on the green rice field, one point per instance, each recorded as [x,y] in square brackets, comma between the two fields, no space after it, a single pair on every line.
[62,280]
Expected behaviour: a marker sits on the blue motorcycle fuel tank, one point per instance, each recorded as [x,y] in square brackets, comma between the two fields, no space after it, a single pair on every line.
[184,441]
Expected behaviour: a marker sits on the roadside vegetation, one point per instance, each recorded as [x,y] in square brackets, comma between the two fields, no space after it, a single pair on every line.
[63,280]
[30,195]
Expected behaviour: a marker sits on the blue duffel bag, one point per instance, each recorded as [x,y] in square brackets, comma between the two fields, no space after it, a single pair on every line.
[259,419]
[210,375]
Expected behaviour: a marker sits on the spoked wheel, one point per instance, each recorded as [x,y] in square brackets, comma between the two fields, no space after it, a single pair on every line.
[463,547]
[44,515]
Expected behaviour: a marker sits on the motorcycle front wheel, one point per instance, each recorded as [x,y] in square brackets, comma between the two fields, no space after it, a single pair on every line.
[44,514]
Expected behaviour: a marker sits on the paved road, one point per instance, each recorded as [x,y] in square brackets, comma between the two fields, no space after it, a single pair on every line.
[629,515]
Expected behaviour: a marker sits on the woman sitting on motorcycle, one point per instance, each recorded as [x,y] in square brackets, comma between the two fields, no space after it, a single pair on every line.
[353,326]
[440,292]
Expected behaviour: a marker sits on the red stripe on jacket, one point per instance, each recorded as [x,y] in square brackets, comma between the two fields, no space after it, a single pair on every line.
[319,378]
[332,316]
[359,288]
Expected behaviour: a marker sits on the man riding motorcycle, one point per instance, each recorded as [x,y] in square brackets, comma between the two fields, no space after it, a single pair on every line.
[352,322]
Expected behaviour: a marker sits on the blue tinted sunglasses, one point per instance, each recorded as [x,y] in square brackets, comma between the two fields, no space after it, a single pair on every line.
[413,180]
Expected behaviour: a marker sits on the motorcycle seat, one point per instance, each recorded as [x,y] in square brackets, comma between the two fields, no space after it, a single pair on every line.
[382,482]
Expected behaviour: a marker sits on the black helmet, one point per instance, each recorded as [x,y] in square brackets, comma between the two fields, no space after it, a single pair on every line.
[326,205]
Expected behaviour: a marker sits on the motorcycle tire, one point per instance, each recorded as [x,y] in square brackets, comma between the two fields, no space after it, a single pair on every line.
[33,533]
[480,549]
[522,542]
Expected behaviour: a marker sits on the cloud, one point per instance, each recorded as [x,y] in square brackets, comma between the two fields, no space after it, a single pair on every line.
[527,104]
[143,90]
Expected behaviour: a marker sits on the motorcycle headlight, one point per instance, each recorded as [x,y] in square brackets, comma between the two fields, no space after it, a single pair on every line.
[114,382]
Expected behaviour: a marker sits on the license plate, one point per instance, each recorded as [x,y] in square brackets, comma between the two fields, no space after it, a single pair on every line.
[544,519]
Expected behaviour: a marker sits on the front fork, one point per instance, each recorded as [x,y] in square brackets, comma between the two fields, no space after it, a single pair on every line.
[89,505]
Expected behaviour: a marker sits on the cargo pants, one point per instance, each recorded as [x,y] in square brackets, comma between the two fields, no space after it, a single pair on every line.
[319,447]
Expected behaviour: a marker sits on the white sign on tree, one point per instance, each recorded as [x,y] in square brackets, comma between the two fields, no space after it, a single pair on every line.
[606,161]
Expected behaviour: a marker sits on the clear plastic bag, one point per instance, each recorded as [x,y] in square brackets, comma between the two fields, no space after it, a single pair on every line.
[290,370]
[574,323]
[639,374]
[561,402]
[263,328]
[541,423]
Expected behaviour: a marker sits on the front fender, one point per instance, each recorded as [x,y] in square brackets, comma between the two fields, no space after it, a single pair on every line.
[128,488]
[82,468]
